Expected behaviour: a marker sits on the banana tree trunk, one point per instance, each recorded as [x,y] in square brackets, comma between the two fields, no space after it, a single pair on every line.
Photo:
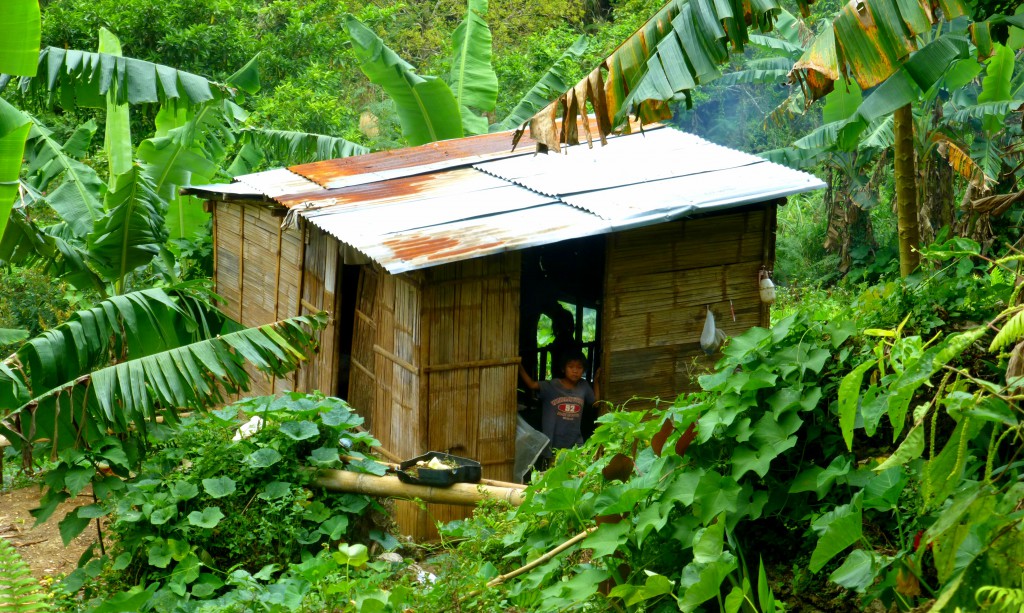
[906,191]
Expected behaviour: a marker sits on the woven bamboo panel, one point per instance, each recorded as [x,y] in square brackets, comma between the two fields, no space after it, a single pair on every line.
[659,283]
[319,283]
[471,332]
[228,254]
[362,387]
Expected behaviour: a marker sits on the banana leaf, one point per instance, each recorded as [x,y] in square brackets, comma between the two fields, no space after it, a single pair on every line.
[81,78]
[25,244]
[14,129]
[683,44]
[547,88]
[131,232]
[288,149]
[20,27]
[76,199]
[473,80]
[117,141]
[427,109]
[161,368]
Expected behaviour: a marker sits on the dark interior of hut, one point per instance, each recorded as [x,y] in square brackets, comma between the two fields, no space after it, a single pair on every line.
[563,283]
[349,281]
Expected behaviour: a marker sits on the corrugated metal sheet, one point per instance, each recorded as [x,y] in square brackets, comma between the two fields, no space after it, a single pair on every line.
[279,182]
[471,197]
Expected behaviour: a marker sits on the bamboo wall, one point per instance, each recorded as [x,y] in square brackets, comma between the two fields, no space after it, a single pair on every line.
[258,271]
[658,282]
[434,361]
[471,336]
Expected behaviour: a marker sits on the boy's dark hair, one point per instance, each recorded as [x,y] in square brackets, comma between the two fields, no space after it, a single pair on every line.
[573,356]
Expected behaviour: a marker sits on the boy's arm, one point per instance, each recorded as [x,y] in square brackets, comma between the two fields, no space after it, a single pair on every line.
[527,379]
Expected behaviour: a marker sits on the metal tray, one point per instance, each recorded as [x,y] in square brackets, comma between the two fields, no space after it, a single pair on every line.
[463,470]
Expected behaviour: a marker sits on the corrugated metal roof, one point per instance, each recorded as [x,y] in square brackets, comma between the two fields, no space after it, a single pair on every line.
[466,198]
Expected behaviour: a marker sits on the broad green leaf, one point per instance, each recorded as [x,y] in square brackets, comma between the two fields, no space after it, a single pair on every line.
[9,336]
[858,571]
[995,87]
[163,515]
[335,527]
[708,543]
[547,88]
[351,555]
[751,340]
[765,597]
[14,129]
[473,80]
[702,582]
[299,430]
[842,102]
[20,27]
[883,490]
[219,487]
[325,456]
[291,148]
[607,539]
[118,138]
[275,489]
[849,400]
[837,530]
[71,526]
[83,78]
[716,494]
[183,490]
[910,449]
[159,554]
[262,458]
[247,78]
[132,231]
[209,518]
[427,109]
[131,600]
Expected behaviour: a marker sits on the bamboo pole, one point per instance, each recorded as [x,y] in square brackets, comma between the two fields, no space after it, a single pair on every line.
[534,564]
[490,482]
[465,494]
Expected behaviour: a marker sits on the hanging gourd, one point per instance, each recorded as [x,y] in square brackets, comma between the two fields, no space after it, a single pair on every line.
[711,338]
[765,287]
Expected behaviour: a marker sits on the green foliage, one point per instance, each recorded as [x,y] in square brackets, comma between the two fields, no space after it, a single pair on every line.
[201,508]
[32,302]
[18,589]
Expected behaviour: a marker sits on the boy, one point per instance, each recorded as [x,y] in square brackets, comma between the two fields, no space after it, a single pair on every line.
[562,402]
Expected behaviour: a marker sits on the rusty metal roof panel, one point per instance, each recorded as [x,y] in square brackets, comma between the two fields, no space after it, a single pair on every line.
[416,248]
[359,222]
[383,165]
[463,181]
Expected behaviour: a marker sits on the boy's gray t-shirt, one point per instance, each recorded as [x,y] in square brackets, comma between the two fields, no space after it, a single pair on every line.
[562,412]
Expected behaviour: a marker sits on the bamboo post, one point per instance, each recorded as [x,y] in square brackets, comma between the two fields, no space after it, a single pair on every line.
[465,494]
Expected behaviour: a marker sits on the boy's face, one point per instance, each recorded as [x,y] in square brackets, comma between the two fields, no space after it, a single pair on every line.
[574,370]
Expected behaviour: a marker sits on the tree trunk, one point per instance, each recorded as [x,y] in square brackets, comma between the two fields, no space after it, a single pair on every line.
[935,190]
[906,191]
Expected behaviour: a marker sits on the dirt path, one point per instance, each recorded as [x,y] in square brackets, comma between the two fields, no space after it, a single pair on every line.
[41,547]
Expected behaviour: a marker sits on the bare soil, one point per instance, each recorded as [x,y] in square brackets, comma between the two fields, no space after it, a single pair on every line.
[41,547]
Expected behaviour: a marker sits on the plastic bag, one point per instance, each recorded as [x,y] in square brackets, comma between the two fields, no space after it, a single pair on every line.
[711,338]
[529,445]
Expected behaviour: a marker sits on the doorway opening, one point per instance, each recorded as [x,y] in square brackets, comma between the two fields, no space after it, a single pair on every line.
[560,312]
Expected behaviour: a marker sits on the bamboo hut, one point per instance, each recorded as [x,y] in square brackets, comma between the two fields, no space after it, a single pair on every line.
[437,262]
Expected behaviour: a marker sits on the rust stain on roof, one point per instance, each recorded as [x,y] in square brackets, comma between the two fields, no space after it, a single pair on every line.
[419,245]
[394,190]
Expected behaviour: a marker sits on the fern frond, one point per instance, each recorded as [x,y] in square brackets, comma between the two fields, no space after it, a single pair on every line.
[18,589]
[1012,332]
[996,598]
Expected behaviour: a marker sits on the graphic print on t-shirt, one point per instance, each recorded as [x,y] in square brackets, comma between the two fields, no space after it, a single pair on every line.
[568,407]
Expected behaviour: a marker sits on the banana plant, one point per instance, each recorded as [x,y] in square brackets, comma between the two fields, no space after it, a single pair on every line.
[429,109]
[20,27]
[111,229]
[120,363]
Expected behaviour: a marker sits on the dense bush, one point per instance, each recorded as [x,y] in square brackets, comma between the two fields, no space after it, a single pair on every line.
[201,505]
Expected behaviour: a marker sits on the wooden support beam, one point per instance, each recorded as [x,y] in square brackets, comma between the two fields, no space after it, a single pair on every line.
[465,494]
